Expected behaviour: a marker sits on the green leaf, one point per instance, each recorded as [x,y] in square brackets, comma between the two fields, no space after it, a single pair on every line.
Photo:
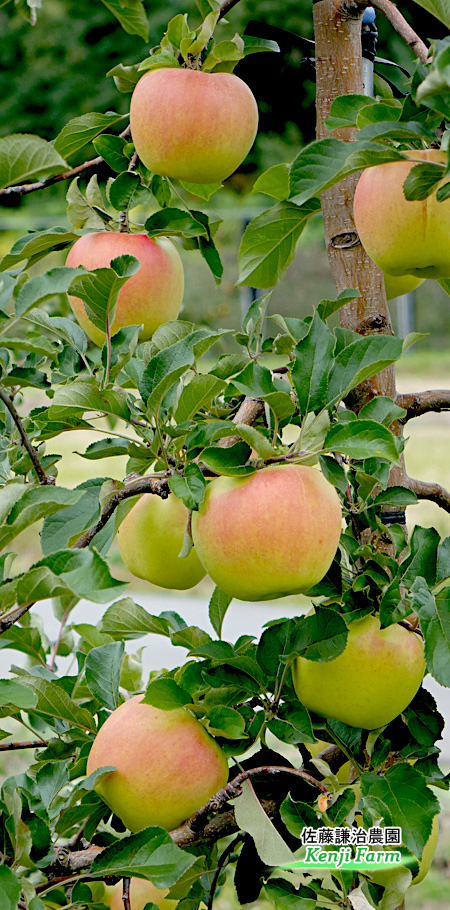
[250,817]
[35,503]
[132,16]
[86,396]
[125,619]
[102,671]
[402,798]
[269,241]
[173,221]
[362,439]
[344,110]
[127,191]
[50,779]
[65,329]
[196,395]
[23,156]
[202,190]
[36,245]
[438,8]
[274,182]
[10,889]
[166,367]
[323,163]
[203,36]
[292,724]
[125,77]
[13,694]
[82,212]
[360,360]
[218,606]
[285,897]
[423,556]
[434,616]
[313,361]
[82,572]
[326,308]
[166,694]
[381,409]
[422,180]
[100,289]
[321,637]
[189,487]
[42,287]
[257,441]
[149,854]
[81,130]
[53,701]
[226,722]
[111,149]
[229,461]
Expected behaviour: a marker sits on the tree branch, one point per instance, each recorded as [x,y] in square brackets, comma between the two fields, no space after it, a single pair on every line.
[25,188]
[226,7]
[126,894]
[402,27]
[432,491]
[41,475]
[249,411]
[36,744]
[416,404]
[157,485]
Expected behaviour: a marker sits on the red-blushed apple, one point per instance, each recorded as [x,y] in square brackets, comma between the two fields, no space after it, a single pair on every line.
[398,285]
[168,765]
[142,892]
[371,682]
[192,125]
[268,534]
[152,296]
[150,538]
[403,237]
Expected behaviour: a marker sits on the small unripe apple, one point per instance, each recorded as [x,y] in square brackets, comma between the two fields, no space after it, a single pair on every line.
[152,296]
[268,534]
[168,765]
[192,125]
[371,682]
[401,236]
[142,892]
[150,538]
[398,285]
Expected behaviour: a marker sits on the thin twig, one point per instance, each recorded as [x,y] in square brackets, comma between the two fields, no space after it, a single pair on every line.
[36,744]
[126,894]
[403,28]
[220,865]
[25,188]
[123,217]
[226,7]
[41,475]
[418,403]
[432,491]
[11,616]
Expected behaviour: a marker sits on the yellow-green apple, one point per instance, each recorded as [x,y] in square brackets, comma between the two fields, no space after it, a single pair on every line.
[382,876]
[371,682]
[152,296]
[142,892]
[403,237]
[192,125]
[168,766]
[398,285]
[268,534]
[150,538]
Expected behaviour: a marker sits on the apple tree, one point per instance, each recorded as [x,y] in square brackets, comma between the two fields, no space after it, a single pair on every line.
[265,447]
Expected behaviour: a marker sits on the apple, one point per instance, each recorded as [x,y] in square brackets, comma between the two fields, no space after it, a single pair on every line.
[403,237]
[168,766]
[400,284]
[382,876]
[371,682]
[150,538]
[150,297]
[268,534]
[192,125]
[142,892]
